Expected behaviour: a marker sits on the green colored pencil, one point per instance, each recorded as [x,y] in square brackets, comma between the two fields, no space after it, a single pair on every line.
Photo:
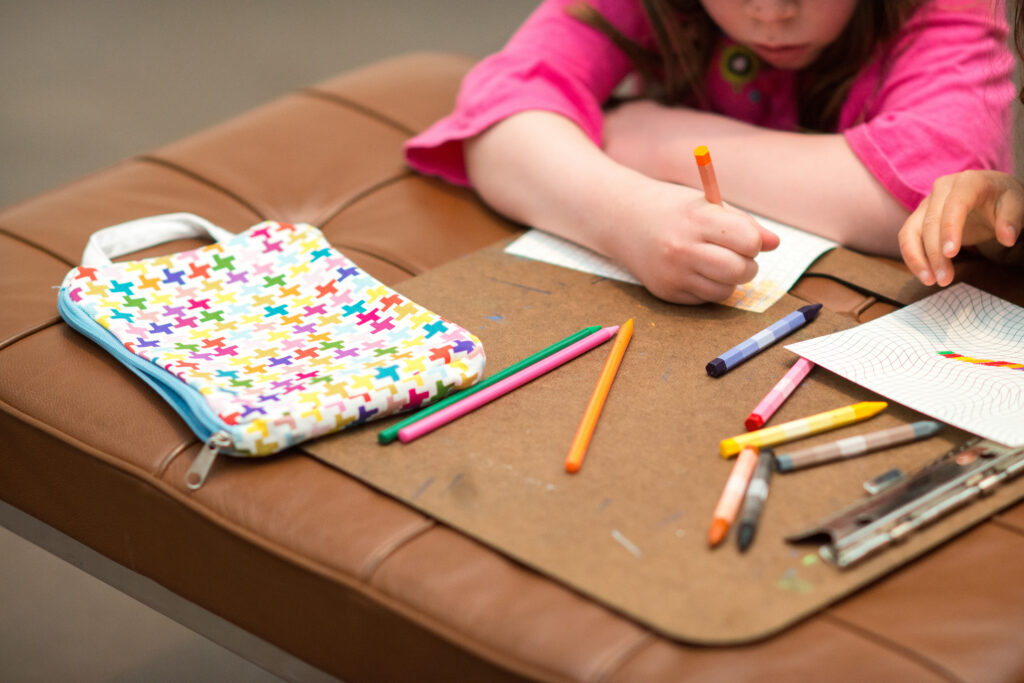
[391,433]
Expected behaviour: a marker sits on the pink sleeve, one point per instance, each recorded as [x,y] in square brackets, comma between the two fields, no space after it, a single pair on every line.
[938,103]
[553,63]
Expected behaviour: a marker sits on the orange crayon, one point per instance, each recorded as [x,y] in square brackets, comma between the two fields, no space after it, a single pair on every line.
[707,175]
[604,383]
[732,497]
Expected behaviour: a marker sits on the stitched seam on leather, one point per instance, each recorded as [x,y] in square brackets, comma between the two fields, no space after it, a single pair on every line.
[170,165]
[894,647]
[349,203]
[25,334]
[456,634]
[388,549]
[59,434]
[361,108]
[346,248]
[616,660]
[33,245]
[276,548]
[361,195]
[1009,526]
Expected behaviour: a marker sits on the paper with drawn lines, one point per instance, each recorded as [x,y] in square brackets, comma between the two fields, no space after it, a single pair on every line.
[957,355]
[777,271]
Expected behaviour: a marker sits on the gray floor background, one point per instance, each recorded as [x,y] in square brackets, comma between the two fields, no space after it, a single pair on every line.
[84,83]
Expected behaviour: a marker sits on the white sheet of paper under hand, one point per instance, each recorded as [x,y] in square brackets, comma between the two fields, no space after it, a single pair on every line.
[777,271]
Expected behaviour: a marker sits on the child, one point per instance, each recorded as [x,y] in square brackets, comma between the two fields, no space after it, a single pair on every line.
[967,208]
[892,89]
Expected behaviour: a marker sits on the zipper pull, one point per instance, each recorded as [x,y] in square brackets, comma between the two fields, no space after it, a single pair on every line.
[196,474]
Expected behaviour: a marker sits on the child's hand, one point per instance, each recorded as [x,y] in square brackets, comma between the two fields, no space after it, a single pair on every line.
[686,250]
[540,169]
[963,208]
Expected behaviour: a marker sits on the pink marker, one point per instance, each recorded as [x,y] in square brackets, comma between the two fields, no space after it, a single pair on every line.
[779,393]
[498,389]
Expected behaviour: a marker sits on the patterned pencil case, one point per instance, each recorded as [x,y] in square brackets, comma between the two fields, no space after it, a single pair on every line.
[263,339]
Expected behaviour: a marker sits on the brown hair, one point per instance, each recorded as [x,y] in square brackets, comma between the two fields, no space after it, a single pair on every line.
[1018,37]
[685,37]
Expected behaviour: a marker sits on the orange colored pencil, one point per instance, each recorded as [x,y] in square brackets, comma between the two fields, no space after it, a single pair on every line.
[732,497]
[707,175]
[604,383]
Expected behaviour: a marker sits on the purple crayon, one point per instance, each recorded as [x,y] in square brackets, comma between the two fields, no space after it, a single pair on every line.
[762,340]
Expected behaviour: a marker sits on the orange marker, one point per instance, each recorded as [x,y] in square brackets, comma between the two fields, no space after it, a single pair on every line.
[732,497]
[707,175]
[604,383]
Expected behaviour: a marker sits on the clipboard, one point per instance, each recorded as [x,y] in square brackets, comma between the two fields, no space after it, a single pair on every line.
[629,530]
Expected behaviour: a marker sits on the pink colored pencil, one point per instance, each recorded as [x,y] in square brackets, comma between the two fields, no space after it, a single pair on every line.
[779,393]
[498,389]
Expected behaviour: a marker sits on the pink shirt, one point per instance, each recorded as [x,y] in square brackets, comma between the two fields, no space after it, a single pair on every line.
[936,101]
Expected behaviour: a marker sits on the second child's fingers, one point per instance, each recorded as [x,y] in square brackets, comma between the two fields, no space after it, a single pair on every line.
[1009,217]
[974,199]
[1007,234]
[957,204]
[912,247]
[936,215]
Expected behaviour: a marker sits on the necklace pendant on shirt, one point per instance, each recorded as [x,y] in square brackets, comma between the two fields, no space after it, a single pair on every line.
[738,66]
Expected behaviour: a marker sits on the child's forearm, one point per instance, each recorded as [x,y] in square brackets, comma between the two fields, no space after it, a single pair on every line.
[812,181]
[540,169]
[815,182]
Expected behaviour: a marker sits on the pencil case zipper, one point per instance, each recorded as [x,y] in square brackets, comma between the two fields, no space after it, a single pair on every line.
[185,400]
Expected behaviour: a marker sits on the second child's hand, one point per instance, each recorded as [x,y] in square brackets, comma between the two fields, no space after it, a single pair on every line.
[963,209]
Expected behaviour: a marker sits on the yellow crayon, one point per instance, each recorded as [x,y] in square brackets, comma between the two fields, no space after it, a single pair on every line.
[805,426]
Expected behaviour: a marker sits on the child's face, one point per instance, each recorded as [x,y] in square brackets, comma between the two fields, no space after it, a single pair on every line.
[788,34]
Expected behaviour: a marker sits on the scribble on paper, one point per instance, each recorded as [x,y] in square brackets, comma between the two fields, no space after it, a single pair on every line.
[1009,365]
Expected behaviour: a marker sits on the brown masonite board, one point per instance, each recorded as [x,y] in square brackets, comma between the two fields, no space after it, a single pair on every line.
[630,529]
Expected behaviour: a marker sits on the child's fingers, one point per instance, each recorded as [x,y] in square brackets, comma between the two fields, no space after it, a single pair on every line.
[710,290]
[724,266]
[710,273]
[912,248]
[769,240]
[1009,217]
[940,264]
[690,287]
[933,237]
[737,232]
[950,232]
[968,193]
[1007,234]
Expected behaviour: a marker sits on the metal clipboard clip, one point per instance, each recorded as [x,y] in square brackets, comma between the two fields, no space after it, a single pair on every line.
[904,504]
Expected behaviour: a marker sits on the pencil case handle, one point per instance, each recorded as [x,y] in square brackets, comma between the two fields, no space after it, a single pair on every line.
[125,238]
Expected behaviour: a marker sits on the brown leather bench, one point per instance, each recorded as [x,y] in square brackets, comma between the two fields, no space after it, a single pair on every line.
[309,559]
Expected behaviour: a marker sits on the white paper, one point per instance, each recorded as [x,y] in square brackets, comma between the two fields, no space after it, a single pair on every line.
[777,271]
[898,356]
